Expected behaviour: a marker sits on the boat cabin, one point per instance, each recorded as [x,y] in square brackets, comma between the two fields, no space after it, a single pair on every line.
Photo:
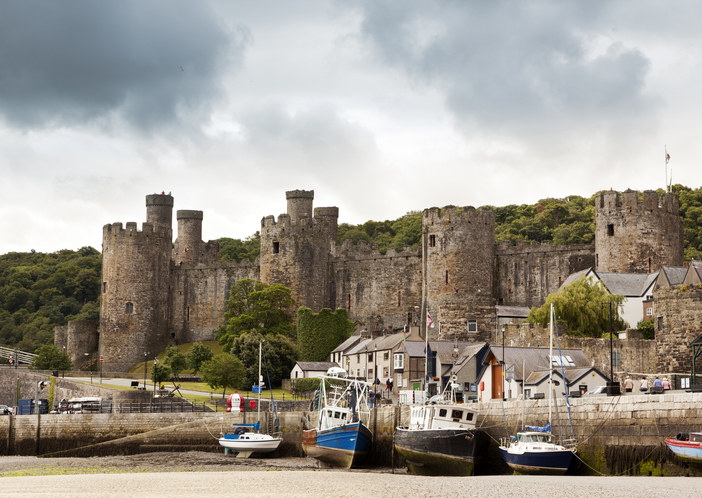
[334,417]
[442,417]
[533,437]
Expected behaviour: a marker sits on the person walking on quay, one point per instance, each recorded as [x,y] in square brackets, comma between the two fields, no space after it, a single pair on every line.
[644,385]
[628,385]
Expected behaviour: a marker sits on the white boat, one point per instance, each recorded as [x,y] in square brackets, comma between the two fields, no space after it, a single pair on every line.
[533,451]
[441,438]
[245,442]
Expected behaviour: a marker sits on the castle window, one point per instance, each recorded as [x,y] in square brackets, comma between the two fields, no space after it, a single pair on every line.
[348,302]
[276,247]
[446,278]
[610,229]
[432,241]
[472,326]
[399,298]
[650,265]
[104,287]
[187,313]
[129,308]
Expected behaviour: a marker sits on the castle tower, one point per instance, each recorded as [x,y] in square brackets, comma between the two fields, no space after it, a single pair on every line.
[188,245]
[637,235]
[135,286]
[458,252]
[295,250]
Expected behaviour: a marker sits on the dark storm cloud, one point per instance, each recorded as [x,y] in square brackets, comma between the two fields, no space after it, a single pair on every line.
[511,65]
[146,62]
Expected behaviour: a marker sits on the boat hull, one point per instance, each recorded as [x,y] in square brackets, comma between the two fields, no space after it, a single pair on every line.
[541,462]
[685,449]
[342,446]
[262,445]
[438,451]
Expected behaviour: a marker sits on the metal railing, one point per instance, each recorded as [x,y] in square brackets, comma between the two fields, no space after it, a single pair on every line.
[16,354]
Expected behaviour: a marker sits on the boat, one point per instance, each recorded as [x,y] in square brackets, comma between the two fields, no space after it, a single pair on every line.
[441,438]
[533,450]
[687,446]
[341,437]
[243,441]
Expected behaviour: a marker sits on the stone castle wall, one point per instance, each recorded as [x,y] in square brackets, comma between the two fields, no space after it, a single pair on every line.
[637,236]
[678,322]
[526,273]
[377,290]
[78,338]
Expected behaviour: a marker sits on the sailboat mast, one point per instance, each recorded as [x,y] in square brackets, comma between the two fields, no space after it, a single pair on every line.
[550,362]
[258,405]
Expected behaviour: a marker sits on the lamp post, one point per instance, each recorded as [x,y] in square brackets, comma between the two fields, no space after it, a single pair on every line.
[612,387]
[63,373]
[87,356]
[146,356]
[503,363]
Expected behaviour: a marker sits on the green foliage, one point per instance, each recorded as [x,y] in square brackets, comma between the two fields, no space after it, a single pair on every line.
[198,355]
[398,234]
[305,385]
[691,212]
[238,250]
[160,372]
[49,357]
[175,360]
[257,307]
[583,307]
[52,391]
[319,333]
[647,329]
[223,371]
[280,354]
[39,291]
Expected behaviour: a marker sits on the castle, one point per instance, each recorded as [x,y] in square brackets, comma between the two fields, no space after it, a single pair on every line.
[156,292]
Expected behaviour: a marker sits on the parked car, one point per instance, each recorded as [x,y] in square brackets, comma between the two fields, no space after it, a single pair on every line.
[5,410]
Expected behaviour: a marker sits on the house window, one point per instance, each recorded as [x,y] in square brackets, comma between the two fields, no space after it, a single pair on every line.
[527,393]
[129,308]
[432,241]
[610,229]
[386,355]
[386,372]
[615,358]
[399,362]
[649,311]
[472,326]
[276,247]
[370,356]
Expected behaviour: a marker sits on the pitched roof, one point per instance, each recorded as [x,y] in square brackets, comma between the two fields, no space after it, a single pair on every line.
[571,375]
[531,360]
[674,274]
[347,344]
[307,366]
[574,276]
[627,284]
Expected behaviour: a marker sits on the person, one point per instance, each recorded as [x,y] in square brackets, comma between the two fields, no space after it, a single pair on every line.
[657,383]
[644,385]
[387,384]
[666,384]
[628,385]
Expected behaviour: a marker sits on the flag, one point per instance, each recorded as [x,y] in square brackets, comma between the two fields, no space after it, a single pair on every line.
[667,157]
[430,323]
[404,334]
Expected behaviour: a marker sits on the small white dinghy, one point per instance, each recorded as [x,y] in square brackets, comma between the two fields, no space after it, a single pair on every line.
[245,443]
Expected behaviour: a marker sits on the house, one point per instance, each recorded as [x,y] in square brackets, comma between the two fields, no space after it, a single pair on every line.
[519,363]
[311,369]
[578,380]
[694,274]
[337,355]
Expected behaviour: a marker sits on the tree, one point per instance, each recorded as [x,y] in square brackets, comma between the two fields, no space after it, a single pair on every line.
[160,373]
[257,307]
[176,360]
[647,329]
[222,371]
[49,357]
[583,307]
[280,356]
[198,355]
[319,333]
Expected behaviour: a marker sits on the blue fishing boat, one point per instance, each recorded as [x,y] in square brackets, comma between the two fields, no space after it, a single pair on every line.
[341,437]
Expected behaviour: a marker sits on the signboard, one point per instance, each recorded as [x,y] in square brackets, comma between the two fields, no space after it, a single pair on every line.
[256,389]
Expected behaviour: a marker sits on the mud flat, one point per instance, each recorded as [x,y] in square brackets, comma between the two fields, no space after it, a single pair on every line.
[296,478]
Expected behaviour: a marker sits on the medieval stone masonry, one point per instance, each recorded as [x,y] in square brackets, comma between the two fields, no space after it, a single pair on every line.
[157,292]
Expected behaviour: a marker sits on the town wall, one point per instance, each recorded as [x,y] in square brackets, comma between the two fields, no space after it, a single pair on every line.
[526,273]
[78,339]
[637,235]
[678,322]
[379,291]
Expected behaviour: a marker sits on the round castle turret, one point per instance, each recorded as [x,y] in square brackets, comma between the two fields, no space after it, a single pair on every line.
[135,282]
[295,250]
[458,249]
[635,235]
[188,245]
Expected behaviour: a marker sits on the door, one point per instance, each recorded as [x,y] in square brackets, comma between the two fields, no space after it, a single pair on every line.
[497,381]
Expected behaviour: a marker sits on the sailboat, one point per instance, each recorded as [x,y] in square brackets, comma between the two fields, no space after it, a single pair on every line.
[533,450]
[245,442]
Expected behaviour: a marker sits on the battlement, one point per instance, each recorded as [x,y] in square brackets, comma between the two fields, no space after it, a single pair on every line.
[452,215]
[348,250]
[630,201]
[159,210]
[299,204]
[187,214]
[326,212]
[507,247]
[129,233]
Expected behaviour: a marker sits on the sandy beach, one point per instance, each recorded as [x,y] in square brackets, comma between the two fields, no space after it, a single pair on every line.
[209,474]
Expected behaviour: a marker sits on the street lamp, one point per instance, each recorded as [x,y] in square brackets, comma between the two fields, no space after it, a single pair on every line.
[503,362]
[87,356]
[146,355]
[612,387]
[63,374]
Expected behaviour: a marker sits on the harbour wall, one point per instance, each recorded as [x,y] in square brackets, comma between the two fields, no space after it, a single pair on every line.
[616,435]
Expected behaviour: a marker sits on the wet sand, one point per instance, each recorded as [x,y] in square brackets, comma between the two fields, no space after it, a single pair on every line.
[209,474]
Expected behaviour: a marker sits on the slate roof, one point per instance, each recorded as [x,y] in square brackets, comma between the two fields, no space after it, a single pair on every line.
[512,311]
[674,274]
[534,359]
[627,284]
[571,375]
[347,344]
[322,366]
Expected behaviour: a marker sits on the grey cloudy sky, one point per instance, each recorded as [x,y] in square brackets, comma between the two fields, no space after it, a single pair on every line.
[381,107]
